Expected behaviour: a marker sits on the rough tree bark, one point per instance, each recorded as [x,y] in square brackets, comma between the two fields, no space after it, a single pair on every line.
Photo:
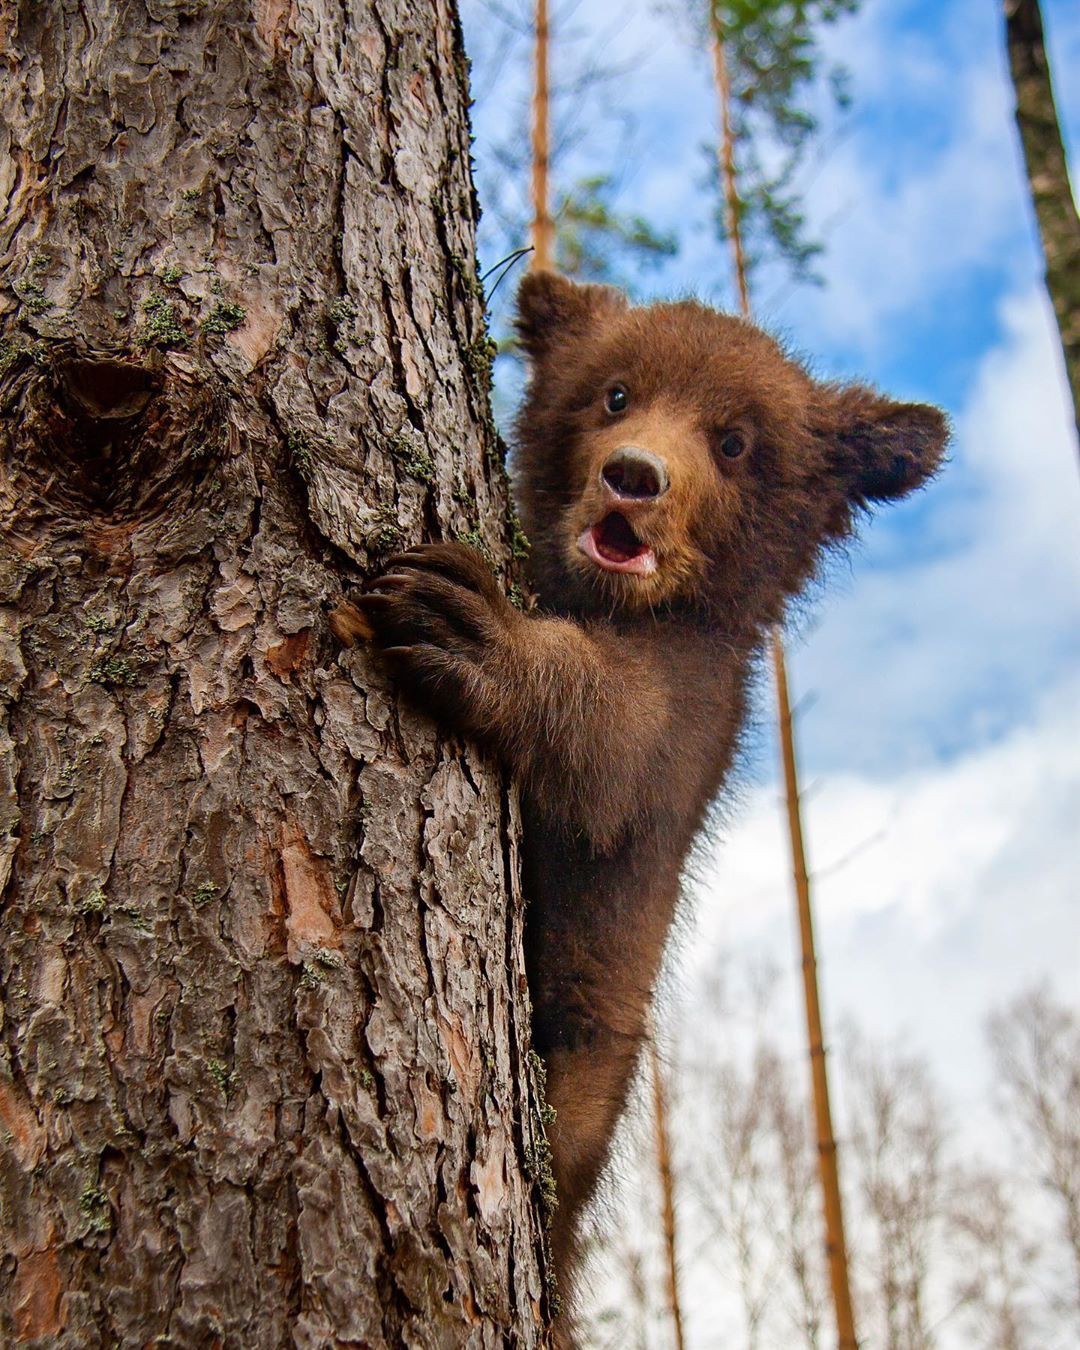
[264,1071]
[1048,177]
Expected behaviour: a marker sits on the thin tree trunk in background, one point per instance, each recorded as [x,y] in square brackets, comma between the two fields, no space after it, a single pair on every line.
[263,1050]
[835,1244]
[1048,177]
[543,228]
[728,179]
[667,1191]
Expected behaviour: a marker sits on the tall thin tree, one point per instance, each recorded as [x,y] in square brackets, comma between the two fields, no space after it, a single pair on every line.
[1048,177]
[543,226]
[835,1245]
[584,232]
[662,1142]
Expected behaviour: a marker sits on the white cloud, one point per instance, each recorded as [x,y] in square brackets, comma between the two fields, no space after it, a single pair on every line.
[898,235]
[938,890]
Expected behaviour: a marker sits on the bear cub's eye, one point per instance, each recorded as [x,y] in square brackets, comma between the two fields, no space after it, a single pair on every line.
[732,443]
[617,400]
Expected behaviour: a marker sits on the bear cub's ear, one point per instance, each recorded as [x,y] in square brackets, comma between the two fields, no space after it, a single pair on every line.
[549,306]
[882,450]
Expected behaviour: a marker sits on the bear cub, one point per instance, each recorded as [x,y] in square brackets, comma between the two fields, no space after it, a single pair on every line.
[679,478]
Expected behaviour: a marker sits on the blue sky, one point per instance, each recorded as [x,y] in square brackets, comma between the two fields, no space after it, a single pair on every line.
[941,741]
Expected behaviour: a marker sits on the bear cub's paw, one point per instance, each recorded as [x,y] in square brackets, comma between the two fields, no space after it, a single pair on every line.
[440,618]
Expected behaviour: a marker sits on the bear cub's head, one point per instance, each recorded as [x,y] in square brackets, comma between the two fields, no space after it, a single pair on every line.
[670,457]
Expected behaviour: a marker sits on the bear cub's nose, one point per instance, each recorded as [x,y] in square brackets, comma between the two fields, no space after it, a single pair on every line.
[635,473]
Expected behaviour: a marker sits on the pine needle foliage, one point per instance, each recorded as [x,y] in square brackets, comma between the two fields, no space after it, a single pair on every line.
[778,72]
[594,239]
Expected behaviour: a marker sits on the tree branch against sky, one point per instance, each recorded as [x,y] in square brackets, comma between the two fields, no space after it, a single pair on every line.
[1048,177]
[999,1303]
[896,1148]
[1036,1047]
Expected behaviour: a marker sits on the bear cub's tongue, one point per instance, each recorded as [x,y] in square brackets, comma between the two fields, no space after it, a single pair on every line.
[613,545]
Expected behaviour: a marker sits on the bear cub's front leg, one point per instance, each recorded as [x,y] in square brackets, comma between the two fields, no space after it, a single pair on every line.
[550,696]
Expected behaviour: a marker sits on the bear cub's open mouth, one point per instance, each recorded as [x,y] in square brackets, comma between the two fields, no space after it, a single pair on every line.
[612,544]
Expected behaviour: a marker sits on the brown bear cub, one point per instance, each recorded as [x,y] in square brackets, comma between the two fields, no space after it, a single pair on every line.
[679,478]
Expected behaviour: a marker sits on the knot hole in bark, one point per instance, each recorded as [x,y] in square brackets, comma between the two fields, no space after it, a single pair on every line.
[105,391]
[113,436]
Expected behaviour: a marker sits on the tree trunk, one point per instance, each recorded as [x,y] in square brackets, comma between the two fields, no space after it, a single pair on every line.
[1048,177]
[265,1076]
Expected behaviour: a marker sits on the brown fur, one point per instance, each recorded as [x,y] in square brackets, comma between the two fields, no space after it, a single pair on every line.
[619,703]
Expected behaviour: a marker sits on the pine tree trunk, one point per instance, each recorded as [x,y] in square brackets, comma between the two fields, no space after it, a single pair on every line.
[265,1076]
[1048,177]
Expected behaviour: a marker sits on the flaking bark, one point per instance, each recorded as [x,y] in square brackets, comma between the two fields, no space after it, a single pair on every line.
[263,1051]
